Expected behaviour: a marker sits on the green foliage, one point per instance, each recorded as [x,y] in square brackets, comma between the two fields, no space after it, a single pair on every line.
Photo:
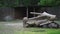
[16,3]
[30,2]
[58,3]
[49,2]
[9,3]
[27,2]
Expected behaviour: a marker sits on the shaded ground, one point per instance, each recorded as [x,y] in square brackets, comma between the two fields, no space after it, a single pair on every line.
[16,27]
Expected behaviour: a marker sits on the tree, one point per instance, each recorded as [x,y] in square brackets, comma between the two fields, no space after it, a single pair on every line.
[26,2]
[49,2]
[30,2]
[9,3]
[16,3]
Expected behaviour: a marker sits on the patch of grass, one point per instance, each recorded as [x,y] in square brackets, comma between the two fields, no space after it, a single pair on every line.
[36,31]
[28,30]
[39,31]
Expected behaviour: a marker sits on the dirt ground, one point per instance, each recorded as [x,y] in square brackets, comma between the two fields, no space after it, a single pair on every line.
[10,27]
